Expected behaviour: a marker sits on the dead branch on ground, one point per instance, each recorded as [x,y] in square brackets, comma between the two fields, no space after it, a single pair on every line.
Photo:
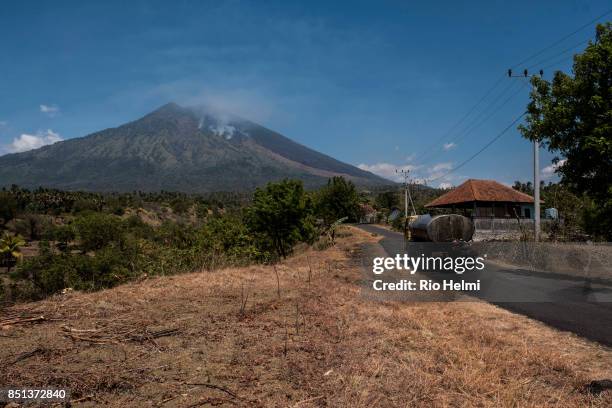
[21,319]
[99,336]
[28,354]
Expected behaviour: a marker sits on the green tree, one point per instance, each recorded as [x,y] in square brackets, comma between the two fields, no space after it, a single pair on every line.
[526,188]
[573,117]
[10,249]
[387,200]
[114,205]
[61,234]
[31,226]
[8,207]
[574,211]
[177,235]
[280,216]
[338,199]
[180,205]
[97,230]
[226,239]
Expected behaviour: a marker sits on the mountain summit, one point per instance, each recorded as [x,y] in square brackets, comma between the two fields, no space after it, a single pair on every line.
[176,149]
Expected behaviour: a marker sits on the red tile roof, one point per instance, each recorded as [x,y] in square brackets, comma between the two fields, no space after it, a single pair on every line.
[480,190]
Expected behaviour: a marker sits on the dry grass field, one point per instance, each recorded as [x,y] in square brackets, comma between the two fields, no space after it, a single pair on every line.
[234,338]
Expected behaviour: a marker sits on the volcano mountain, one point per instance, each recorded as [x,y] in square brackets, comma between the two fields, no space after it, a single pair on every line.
[175,148]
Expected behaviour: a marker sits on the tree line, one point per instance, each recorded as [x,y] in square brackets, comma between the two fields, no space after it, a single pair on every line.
[572,117]
[89,241]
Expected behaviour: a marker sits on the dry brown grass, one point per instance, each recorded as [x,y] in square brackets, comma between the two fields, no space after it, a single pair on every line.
[319,344]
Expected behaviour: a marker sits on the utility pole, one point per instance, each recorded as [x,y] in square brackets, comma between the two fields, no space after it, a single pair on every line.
[536,190]
[407,195]
[536,170]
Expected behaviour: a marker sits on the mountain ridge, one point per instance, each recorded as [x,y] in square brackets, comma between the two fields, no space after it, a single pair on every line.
[175,148]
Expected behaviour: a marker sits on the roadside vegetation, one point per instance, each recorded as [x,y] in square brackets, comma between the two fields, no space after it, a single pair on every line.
[571,116]
[54,240]
[51,240]
[578,212]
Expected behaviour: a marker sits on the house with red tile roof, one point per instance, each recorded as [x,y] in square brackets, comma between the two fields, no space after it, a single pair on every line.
[486,199]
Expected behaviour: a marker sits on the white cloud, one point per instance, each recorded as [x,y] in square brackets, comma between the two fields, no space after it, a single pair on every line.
[548,172]
[387,170]
[449,146]
[441,166]
[438,172]
[249,103]
[50,110]
[418,174]
[27,142]
[434,175]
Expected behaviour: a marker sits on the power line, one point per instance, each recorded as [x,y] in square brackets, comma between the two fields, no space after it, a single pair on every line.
[582,27]
[426,156]
[555,63]
[481,150]
[463,118]
[494,109]
[407,196]
[551,57]
[475,124]
[427,151]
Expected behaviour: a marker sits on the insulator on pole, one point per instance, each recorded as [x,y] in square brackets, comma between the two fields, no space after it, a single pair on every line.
[525,73]
[541,72]
[510,72]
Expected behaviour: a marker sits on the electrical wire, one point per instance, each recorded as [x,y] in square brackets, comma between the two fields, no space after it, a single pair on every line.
[436,147]
[479,151]
[553,56]
[556,63]
[425,153]
[475,125]
[460,121]
[559,41]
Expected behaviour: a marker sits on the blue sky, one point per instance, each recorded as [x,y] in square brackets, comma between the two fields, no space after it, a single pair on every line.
[371,83]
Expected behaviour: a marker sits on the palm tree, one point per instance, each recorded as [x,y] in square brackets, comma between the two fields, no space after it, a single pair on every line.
[10,249]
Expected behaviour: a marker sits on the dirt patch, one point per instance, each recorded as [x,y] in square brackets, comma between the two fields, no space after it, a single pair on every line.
[227,338]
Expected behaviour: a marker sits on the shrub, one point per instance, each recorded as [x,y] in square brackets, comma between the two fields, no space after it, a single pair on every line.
[84,205]
[8,207]
[180,205]
[176,235]
[115,206]
[136,227]
[337,200]
[280,216]
[399,223]
[61,234]
[96,230]
[50,273]
[202,210]
[31,226]
[226,236]
[10,250]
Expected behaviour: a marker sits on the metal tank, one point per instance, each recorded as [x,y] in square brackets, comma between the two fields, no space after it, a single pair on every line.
[441,228]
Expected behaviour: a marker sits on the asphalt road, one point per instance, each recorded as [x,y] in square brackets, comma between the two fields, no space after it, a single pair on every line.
[563,302]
